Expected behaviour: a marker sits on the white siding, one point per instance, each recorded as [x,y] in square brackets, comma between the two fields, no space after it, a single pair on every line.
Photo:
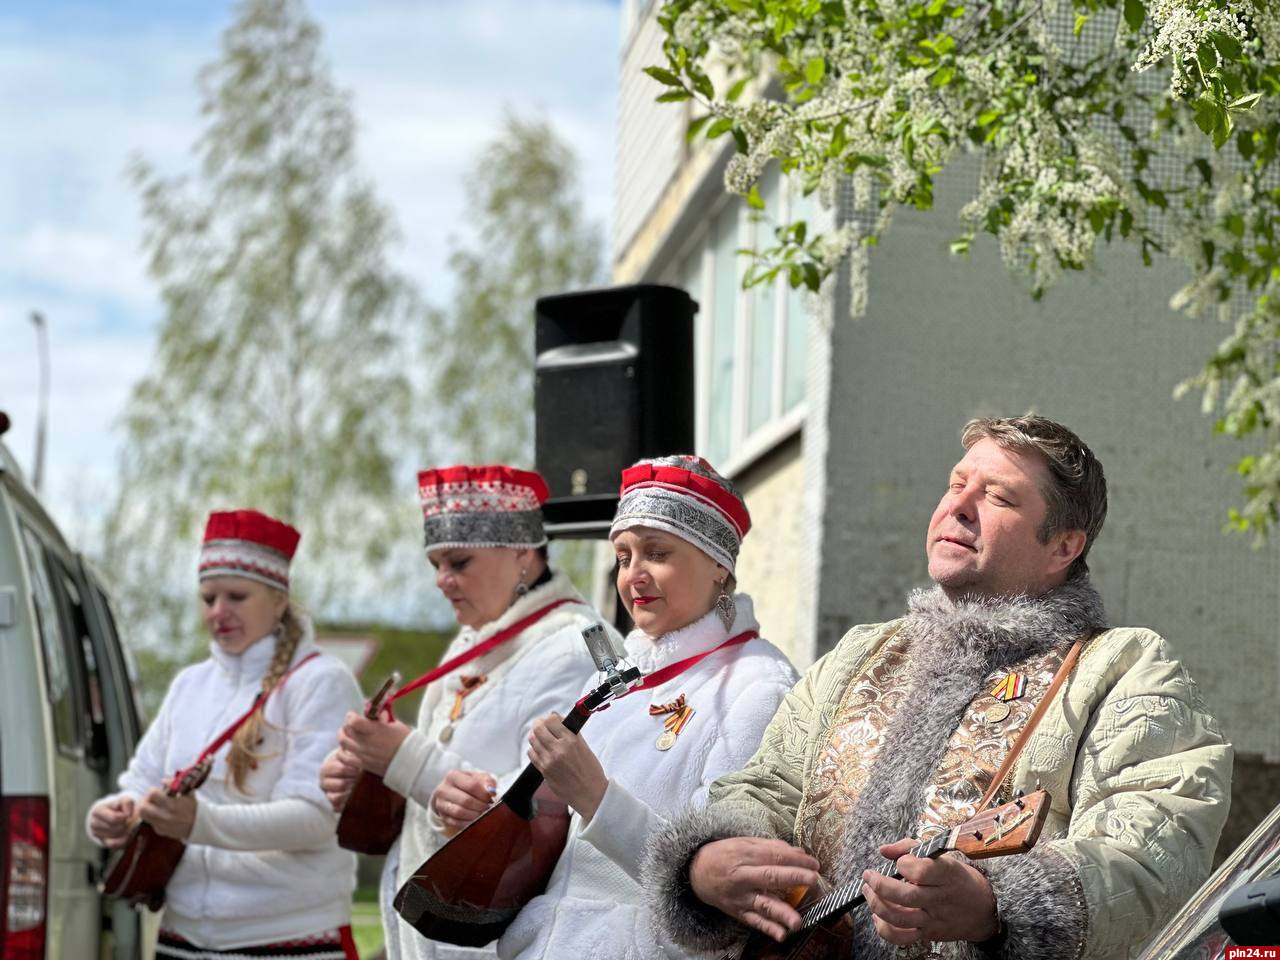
[650,136]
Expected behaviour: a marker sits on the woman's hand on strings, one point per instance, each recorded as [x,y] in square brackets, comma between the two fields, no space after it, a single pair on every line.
[936,900]
[338,775]
[170,816]
[461,797]
[567,764]
[749,879]
[111,820]
[372,743]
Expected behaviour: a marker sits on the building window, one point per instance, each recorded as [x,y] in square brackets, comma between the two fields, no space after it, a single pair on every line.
[751,344]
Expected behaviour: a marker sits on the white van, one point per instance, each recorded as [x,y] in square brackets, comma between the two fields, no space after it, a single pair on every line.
[68,725]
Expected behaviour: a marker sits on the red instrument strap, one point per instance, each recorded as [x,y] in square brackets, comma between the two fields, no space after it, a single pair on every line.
[231,731]
[673,670]
[502,636]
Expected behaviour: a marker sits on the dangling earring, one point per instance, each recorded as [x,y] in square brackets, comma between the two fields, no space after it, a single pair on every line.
[522,588]
[725,608]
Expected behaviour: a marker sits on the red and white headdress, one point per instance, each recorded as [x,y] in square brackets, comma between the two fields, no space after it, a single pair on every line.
[246,543]
[684,496]
[482,506]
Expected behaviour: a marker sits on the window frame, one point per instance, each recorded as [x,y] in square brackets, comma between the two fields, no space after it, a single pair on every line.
[745,445]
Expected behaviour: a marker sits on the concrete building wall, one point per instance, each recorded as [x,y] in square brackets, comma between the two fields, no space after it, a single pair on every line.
[944,340]
[771,553]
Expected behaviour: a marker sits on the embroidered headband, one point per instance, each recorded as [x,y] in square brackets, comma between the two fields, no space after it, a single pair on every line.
[246,543]
[482,506]
[684,496]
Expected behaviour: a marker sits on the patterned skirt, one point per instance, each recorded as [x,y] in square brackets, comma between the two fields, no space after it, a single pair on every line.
[331,945]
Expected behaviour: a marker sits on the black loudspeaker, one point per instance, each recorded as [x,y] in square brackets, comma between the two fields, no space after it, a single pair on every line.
[613,384]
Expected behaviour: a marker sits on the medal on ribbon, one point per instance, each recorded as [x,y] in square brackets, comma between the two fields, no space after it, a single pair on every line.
[678,714]
[1009,688]
[467,685]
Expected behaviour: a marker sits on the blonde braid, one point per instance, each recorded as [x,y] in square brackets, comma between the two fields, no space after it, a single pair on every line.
[243,755]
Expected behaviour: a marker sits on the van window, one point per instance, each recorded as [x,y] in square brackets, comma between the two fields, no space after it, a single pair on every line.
[117,662]
[57,668]
[85,670]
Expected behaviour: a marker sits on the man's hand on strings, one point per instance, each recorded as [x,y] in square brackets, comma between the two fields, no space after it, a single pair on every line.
[936,900]
[568,765]
[170,816]
[749,879]
[372,743]
[461,797]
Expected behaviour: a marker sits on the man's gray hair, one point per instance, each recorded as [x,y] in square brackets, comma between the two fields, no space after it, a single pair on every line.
[1076,493]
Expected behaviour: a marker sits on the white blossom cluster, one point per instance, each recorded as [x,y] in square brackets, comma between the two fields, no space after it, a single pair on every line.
[1179,27]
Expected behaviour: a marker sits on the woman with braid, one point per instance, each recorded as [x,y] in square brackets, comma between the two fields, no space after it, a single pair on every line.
[262,875]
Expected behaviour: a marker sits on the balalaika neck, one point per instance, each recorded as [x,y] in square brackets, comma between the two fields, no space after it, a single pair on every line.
[846,897]
[520,796]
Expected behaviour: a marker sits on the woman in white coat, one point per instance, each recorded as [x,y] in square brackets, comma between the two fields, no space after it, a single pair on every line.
[262,874]
[485,539]
[712,686]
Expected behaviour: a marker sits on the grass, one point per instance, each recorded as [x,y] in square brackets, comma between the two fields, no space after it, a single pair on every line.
[366,925]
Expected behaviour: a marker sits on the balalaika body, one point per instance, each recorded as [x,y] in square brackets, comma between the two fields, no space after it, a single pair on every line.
[147,860]
[473,887]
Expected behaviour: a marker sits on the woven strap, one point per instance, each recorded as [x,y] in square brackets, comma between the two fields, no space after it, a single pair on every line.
[175,782]
[1059,678]
[480,649]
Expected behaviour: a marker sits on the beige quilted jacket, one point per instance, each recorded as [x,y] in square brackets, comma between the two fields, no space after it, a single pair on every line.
[1137,767]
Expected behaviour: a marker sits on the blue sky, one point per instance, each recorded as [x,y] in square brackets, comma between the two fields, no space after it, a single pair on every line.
[86,85]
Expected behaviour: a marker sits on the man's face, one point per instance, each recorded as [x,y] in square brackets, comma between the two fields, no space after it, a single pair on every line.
[983,535]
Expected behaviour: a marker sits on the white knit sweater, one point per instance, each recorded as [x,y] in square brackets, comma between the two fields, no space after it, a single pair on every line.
[263,865]
[540,671]
[593,908]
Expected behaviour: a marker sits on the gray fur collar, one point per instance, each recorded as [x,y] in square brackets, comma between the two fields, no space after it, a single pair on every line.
[954,646]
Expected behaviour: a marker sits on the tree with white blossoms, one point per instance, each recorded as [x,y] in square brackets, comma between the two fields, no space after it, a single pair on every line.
[1073,138]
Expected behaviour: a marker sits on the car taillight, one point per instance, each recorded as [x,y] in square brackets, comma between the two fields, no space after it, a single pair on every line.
[24,880]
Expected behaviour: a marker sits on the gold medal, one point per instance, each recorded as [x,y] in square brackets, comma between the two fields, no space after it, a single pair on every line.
[666,740]
[446,733]
[996,712]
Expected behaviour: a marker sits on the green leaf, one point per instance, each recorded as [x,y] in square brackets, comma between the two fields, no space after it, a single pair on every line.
[1222,132]
[942,76]
[719,128]
[736,90]
[935,8]
[695,127]
[1245,103]
[987,117]
[815,70]
[1135,13]
[702,83]
[753,198]
[1206,113]
[673,96]
[1227,45]
[1081,20]
[1235,224]
[812,278]
[740,139]
[960,246]
[663,75]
